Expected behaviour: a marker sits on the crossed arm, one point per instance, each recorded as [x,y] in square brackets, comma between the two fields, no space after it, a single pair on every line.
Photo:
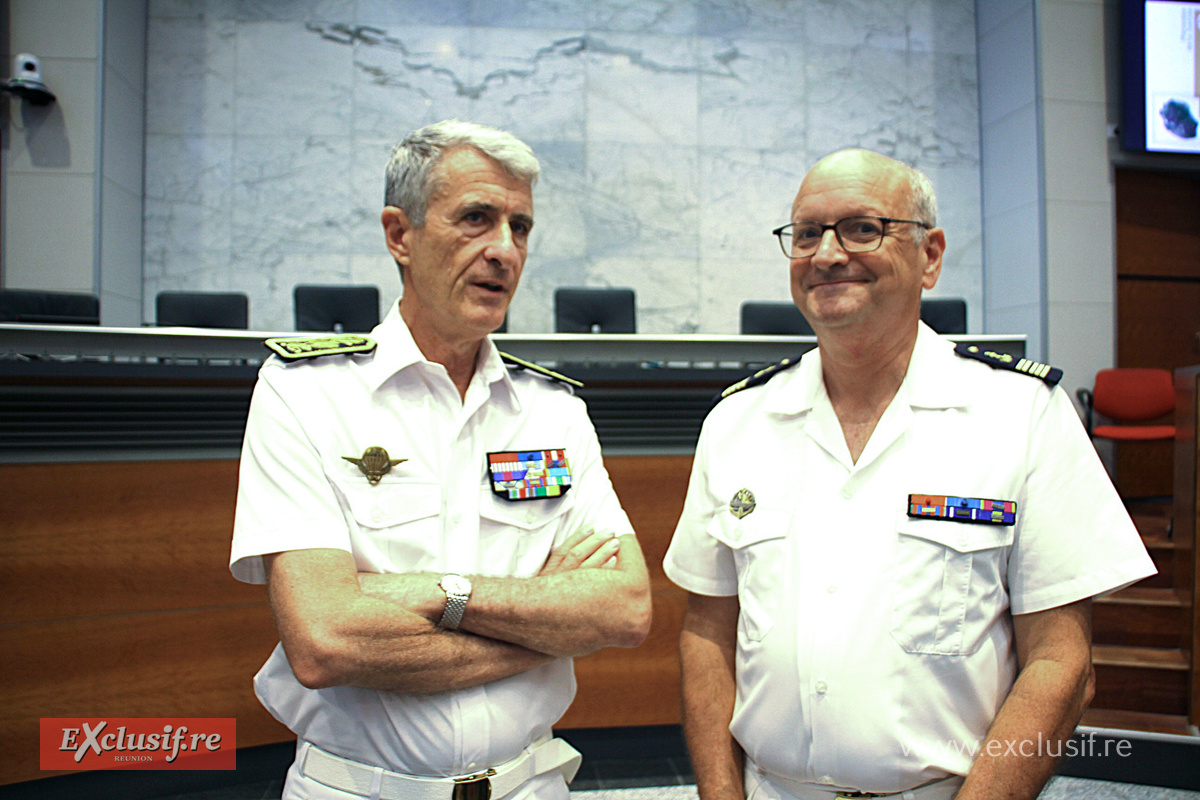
[340,627]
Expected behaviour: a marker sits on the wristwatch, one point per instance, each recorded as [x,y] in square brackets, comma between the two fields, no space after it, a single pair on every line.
[458,592]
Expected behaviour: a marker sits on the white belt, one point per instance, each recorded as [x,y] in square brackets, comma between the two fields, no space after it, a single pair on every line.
[365,780]
[943,789]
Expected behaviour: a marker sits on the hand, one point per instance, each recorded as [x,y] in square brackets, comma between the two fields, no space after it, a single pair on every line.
[583,549]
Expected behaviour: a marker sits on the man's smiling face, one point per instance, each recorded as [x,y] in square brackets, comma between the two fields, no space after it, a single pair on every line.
[834,288]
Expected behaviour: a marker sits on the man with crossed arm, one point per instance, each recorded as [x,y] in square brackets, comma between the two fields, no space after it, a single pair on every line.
[432,518]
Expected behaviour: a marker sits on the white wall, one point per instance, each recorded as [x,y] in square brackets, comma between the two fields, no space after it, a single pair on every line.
[1080,208]
[73,170]
[673,136]
[50,159]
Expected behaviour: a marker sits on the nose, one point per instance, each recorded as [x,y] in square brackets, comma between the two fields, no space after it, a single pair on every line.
[504,250]
[829,251]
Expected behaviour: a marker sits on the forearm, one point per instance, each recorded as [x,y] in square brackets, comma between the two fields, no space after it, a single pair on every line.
[564,613]
[1029,734]
[570,613]
[340,636]
[709,692]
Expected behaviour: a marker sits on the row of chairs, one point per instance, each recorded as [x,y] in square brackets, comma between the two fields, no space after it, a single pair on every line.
[344,309]
[356,309]
[317,308]
[613,311]
[944,315]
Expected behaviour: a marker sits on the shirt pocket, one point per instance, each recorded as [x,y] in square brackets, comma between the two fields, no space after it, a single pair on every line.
[517,537]
[949,586]
[396,524]
[757,541]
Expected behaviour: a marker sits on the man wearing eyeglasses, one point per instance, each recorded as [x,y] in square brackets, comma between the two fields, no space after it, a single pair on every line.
[890,545]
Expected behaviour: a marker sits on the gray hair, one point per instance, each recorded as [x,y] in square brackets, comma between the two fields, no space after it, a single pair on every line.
[924,201]
[412,179]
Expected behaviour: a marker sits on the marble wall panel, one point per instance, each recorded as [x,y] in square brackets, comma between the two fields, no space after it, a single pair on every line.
[672,133]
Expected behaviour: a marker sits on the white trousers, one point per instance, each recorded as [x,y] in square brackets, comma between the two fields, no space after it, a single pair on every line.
[297,786]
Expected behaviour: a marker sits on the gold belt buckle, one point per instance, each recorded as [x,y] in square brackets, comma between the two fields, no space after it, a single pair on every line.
[473,787]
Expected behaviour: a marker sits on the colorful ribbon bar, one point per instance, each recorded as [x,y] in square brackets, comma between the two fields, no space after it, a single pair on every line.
[530,474]
[963,509]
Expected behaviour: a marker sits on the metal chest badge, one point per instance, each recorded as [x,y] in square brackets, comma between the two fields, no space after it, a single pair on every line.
[742,503]
[530,474]
[374,463]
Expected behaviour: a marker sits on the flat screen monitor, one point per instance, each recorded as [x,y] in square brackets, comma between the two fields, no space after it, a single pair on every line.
[1160,76]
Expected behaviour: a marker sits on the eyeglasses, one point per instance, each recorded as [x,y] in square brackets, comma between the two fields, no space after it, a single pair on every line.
[854,234]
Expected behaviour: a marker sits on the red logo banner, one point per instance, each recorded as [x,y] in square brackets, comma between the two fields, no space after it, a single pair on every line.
[139,743]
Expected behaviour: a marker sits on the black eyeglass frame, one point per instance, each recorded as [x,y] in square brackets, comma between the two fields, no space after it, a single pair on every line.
[784,244]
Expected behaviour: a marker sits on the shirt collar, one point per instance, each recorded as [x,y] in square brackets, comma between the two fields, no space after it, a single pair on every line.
[395,350]
[930,382]
[934,378]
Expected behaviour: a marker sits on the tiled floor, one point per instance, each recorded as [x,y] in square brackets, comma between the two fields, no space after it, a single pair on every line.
[1059,789]
[641,783]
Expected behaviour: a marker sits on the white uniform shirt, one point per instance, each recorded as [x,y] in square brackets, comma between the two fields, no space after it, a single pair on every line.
[874,650]
[435,512]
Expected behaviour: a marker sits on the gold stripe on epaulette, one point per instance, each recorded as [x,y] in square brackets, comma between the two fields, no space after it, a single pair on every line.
[293,349]
[521,363]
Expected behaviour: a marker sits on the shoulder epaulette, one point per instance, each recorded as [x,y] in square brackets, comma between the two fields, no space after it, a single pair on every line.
[759,378]
[1050,375]
[294,349]
[522,364]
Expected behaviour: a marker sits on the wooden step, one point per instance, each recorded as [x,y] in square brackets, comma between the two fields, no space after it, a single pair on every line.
[1141,616]
[1164,562]
[1138,721]
[1153,528]
[1146,679]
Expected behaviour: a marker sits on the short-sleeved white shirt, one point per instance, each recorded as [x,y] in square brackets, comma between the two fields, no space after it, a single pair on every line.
[874,649]
[434,512]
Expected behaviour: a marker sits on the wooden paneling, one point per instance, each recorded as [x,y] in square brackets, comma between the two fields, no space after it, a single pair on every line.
[1186,568]
[194,663]
[1158,229]
[640,687]
[1158,300]
[119,602]
[117,538]
[1157,323]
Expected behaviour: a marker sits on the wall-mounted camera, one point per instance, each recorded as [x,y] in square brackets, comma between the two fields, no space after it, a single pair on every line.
[26,81]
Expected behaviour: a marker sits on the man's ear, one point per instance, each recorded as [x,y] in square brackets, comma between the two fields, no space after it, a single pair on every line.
[397,230]
[934,247]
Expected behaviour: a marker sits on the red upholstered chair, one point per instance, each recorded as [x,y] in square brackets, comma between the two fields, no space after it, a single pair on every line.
[1129,397]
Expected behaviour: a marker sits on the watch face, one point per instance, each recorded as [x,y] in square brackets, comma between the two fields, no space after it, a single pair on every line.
[456,584]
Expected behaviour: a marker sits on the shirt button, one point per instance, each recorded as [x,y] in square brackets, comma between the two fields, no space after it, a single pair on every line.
[377,515]
[822,687]
[455,519]
[847,493]
[826,779]
[831,588]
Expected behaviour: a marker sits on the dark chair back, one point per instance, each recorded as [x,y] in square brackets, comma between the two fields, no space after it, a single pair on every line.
[202,309]
[586,310]
[773,319]
[50,308]
[945,314]
[350,309]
